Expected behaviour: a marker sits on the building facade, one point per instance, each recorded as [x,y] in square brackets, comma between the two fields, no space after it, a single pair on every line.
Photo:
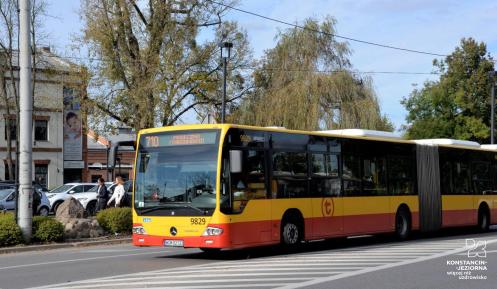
[56,84]
[99,159]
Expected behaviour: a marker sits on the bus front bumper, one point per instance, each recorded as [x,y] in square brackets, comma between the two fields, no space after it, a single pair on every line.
[220,241]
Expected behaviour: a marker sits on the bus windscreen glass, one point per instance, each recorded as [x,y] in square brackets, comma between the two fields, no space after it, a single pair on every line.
[176,173]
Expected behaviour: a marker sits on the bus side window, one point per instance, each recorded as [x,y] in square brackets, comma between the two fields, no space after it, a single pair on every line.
[290,174]
[374,176]
[249,184]
[482,183]
[400,175]
[351,175]
[324,175]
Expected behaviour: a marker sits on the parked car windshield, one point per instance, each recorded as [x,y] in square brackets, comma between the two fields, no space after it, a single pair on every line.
[61,189]
[5,193]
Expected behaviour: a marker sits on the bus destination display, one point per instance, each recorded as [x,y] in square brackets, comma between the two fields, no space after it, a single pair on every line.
[165,140]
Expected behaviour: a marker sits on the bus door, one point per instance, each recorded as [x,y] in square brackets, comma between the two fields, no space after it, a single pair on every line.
[327,204]
[251,219]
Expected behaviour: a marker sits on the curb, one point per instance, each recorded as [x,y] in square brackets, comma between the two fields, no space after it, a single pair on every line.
[64,245]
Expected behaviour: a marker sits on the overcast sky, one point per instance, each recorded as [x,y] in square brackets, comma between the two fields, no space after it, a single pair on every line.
[429,25]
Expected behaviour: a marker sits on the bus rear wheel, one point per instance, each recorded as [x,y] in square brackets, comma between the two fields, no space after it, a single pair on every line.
[402,224]
[291,233]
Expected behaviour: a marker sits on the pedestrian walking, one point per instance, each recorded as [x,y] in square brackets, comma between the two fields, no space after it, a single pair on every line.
[118,194]
[102,195]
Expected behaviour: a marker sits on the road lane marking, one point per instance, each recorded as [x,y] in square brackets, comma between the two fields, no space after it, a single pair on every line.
[76,260]
[209,276]
[169,282]
[219,286]
[373,269]
[313,265]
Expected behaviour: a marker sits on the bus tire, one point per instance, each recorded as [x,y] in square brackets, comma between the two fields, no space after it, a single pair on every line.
[483,218]
[402,223]
[292,231]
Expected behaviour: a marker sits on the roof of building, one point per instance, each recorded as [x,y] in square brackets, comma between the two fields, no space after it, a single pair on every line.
[46,59]
[102,142]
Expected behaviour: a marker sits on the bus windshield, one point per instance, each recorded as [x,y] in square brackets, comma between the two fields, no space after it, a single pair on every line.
[176,174]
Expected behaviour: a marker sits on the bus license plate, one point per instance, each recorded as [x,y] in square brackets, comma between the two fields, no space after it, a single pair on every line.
[173,243]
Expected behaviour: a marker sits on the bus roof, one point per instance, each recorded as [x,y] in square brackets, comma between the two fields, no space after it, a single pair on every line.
[347,133]
[448,142]
[363,133]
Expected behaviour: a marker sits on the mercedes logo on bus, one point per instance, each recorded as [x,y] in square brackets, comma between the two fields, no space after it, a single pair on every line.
[173,231]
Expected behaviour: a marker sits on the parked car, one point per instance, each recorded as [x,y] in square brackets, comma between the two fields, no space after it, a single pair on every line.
[37,186]
[7,201]
[89,199]
[59,195]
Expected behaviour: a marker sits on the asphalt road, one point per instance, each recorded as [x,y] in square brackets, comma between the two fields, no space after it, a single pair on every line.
[436,261]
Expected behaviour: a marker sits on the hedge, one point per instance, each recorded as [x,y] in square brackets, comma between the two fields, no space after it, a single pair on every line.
[10,233]
[47,229]
[115,220]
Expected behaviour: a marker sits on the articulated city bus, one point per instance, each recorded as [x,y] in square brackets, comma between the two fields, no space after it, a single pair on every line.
[232,186]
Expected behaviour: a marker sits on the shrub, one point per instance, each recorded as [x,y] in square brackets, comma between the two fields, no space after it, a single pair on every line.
[47,229]
[115,220]
[6,216]
[10,233]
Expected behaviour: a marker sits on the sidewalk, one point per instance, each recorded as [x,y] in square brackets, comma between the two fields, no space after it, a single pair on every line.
[109,240]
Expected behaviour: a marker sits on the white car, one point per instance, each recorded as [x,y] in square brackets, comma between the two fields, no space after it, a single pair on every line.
[59,195]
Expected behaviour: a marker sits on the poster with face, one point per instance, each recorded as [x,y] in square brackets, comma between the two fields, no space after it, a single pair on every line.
[73,145]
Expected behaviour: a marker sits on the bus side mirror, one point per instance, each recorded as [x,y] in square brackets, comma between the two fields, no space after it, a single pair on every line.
[236,161]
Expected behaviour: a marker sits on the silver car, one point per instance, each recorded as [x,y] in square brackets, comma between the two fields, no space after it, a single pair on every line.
[8,202]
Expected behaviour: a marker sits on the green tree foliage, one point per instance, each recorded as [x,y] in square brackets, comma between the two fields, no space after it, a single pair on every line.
[458,104]
[153,65]
[305,83]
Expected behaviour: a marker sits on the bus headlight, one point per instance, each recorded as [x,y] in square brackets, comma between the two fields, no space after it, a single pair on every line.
[212,231]
[139,230]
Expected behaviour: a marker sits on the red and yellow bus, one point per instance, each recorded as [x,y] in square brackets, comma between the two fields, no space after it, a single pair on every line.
[230,186]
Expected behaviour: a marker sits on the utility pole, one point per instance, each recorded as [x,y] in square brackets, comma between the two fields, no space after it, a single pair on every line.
[492,75]
[26,122]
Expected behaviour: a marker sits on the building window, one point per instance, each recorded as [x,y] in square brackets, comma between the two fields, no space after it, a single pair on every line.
[7,176]
[41,130]
[41,174]
[13,130]
[94,178]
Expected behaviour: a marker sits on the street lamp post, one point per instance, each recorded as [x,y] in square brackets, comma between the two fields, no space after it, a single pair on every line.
[492,76]
[225,55]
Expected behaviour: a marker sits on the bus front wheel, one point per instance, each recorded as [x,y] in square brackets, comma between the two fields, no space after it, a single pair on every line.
[291,233]
[402,224]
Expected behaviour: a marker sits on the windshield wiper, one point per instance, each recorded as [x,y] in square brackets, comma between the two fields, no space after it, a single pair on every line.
[148,210]
[185,205]
[172,206]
